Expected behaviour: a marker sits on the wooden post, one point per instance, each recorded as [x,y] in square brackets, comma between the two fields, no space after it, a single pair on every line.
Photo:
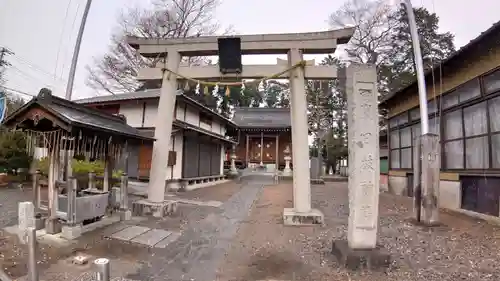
[246,149]
[417,187]
[261,147]
[69,164]
[71,194]
[36,190]
[91,180]
[52,223]
[107,174]
[428,171]
[124,192]
[277,151]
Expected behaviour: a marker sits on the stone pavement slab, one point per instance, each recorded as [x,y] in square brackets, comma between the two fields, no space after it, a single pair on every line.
[169,239]
[152,237]
[114,228]
[130,232]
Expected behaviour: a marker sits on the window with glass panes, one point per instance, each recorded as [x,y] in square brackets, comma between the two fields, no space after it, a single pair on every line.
[403,131]
[470,135]
[472,125]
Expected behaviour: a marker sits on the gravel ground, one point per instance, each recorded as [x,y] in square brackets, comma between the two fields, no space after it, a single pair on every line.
[128,259]
[9,199]
[264,249]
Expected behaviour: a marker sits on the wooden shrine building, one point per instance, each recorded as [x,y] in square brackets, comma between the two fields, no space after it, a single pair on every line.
[264,134]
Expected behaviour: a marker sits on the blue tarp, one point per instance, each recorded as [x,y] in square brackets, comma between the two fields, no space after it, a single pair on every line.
[3,106]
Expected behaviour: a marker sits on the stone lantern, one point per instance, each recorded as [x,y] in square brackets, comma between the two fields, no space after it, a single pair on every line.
[287,171]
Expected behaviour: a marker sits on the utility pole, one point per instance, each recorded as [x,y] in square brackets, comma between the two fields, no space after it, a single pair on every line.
[426,153]
[3,63]
[76,51]
[3,53]
[68,155]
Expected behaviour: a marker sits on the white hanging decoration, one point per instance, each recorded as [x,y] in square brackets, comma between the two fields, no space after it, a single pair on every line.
[197,91]
[216,89]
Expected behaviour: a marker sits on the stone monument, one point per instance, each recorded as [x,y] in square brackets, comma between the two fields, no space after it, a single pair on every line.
[361,249]
[26,218]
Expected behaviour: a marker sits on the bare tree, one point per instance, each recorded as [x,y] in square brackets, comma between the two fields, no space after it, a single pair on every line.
[115,71]
[373,21]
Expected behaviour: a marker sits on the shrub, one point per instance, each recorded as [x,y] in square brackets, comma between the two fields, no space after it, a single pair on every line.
[80,167]
[13,154]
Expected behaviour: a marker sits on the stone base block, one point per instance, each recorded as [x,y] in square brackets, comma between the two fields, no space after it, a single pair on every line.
[334,178]
[71,232]
[289,178]
[317,181]
[174,186]
[359,259]
[39,223]
[53,226]
[292,217]
[125,215]
[414,221]
[145,207]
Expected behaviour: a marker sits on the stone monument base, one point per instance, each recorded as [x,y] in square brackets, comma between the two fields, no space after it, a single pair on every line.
[145,207]
[317,181]
[53,226]
[292,217]
[358,259]
[125,215]
[414,221]
[39,222]
[71,232]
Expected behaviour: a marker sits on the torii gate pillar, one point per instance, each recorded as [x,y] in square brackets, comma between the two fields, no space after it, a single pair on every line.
[301,213]
[309,43]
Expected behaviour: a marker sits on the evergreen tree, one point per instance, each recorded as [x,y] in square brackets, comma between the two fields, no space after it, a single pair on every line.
[13,153]
[435,47]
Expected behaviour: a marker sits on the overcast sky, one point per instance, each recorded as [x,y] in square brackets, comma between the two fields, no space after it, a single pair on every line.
[42,34]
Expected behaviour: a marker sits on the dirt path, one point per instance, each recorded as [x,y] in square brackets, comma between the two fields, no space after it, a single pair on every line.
[264,249]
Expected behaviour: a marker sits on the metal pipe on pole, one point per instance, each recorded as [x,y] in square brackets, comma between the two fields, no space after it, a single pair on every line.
[419,67]
[71,78]
[76,51]
[426,153]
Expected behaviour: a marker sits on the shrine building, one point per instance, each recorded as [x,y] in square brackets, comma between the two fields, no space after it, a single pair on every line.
[263,136]
[260,136]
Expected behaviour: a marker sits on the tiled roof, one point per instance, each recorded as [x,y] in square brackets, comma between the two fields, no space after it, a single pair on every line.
[76,115]
[149,94]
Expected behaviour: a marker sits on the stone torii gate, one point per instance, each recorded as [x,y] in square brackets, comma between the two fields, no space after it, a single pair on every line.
[363,115]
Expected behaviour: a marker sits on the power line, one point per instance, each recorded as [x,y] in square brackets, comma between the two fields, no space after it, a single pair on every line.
[65,58]
[61,36]
[37,68]
[16,91]
[29,76]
